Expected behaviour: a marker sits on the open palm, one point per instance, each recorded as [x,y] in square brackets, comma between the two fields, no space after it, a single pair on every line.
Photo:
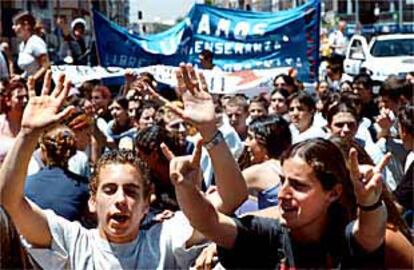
[43,111]
[198,103]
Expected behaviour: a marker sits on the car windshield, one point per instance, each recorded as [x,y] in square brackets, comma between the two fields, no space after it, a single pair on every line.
[394,47]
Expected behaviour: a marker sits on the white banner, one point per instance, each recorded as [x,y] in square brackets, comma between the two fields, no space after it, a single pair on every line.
[249,82]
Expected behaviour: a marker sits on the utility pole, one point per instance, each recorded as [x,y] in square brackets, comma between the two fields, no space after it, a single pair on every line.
[357,13]
[400,14]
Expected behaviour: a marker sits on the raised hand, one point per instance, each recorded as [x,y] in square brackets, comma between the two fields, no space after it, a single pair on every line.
[367,180]
[184,169]
[198,103]
[43,111]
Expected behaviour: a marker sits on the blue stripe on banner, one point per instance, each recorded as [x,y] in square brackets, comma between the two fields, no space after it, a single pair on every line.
[239,39]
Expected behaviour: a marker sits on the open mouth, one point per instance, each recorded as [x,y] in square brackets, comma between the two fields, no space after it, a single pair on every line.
[288,208]
[119,218]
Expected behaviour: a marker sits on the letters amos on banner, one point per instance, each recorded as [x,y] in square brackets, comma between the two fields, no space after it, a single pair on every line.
[240,40]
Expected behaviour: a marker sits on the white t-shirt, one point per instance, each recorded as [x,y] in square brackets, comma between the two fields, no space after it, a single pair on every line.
[337,38]
[312,132]
[162,246]
[29,53]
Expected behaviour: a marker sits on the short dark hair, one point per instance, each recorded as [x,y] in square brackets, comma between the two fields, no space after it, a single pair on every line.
[261,100]
[122,101]
[24,17]
[282,91]
[406,118]
[238,101]
[121,157]
[207,54]
[273,132]
[394,87]
[341,107]
[363,79]
[303,98]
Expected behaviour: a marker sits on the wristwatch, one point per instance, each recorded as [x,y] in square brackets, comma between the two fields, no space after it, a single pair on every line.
[217,138]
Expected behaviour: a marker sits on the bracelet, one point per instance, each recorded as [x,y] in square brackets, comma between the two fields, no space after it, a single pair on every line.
[217,138]
[371,207]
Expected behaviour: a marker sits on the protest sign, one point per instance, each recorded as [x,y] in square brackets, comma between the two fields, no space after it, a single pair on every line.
[249,82]
[240,40]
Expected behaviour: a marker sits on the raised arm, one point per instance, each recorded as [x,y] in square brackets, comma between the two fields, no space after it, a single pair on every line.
[203,216]
[199,111]
[369,228]
[40,114]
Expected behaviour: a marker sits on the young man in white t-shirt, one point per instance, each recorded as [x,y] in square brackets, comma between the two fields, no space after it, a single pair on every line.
[120,192]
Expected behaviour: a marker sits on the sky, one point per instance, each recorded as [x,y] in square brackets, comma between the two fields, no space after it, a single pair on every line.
[160,10]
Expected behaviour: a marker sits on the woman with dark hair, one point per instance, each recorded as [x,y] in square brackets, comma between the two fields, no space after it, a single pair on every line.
[331,216]
[54,186]
[267,138]
[283,81]
[33,58]
[121,128]
[302,109]
[278,102]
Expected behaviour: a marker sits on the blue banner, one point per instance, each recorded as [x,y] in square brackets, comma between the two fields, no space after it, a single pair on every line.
[239,40]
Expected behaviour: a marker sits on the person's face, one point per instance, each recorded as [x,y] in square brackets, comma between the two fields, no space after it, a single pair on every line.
[386,103]
[278,103]
[323,87]
[300,115]
[303,203]
[99,101]
[237,117]
[147,118]
[119,202]
[18,99]
[280,83]
[364,93]
[344,125]
[118,113]
[19,29]
[205,62]
[256,110]
[258,152]
[78,31]
[178,130]
[133,107]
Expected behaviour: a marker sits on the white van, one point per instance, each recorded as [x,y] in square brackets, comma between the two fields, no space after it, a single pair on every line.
[385,55]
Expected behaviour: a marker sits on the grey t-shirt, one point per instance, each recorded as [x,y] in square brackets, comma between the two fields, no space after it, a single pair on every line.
[162,246]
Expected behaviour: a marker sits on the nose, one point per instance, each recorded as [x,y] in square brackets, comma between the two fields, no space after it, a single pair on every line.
[284,191]
[120,198]
[346,128]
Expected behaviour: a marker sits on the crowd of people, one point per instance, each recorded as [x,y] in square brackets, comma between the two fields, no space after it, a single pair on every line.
[136,179]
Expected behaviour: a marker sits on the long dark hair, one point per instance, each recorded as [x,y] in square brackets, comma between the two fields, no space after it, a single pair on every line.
[330,168]
[12,253]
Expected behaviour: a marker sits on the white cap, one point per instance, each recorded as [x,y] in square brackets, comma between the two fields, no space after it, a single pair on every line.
[77,21]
